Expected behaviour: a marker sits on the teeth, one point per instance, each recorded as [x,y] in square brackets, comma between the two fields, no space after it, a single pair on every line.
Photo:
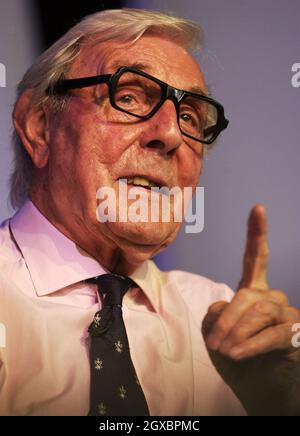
[140,181]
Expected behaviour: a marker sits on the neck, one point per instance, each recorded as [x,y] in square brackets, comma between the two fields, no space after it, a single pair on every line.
[97,245]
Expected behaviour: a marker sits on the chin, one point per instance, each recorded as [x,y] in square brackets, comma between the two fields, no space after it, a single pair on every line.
[148,236]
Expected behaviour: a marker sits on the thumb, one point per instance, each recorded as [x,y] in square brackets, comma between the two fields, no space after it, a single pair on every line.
[213,314]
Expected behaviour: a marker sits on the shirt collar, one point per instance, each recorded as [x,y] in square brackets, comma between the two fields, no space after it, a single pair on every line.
[53,260]
[148,278]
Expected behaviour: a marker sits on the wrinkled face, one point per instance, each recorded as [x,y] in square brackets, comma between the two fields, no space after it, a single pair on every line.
[88,151]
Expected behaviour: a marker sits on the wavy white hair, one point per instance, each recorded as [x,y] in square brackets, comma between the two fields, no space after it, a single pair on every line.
[124,25]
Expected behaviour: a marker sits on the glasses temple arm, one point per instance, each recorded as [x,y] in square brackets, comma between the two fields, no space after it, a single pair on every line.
[64,85]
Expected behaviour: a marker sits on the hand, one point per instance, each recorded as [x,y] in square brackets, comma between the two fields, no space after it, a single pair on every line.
[250,339]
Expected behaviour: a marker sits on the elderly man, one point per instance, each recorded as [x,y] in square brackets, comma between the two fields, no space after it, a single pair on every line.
[121,97]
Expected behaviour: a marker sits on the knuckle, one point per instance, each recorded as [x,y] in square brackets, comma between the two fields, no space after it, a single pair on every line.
[240,334]
[221,326]
[218,307]
[279,296]
[250,294]
[264,307]
[244,294]
[269,310]
[293,313]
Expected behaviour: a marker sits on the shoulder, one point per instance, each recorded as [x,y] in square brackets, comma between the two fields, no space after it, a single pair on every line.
[10,256]
[198,292]
[194,286]
[197,286]
[4,234]
[8,248]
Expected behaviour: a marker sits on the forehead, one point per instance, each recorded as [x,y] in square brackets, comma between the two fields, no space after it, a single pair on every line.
[158,56]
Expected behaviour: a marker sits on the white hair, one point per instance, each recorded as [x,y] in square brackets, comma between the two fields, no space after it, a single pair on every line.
[124,25]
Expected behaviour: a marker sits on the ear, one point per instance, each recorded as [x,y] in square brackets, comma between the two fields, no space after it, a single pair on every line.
[32,124]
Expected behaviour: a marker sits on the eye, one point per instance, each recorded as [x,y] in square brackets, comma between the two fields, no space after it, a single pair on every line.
[126,99]
[189,119]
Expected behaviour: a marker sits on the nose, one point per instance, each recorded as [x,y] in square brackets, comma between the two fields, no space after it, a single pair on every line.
[161,132]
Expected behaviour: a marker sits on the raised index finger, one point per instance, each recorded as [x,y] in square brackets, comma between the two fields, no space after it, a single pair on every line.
[257,251]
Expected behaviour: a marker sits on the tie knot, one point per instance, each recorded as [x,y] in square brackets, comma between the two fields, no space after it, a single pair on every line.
[113,287]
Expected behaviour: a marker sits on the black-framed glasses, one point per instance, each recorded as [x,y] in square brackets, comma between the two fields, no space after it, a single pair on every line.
[134,92]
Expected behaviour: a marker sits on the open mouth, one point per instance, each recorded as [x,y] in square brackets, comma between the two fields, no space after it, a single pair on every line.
[141,181]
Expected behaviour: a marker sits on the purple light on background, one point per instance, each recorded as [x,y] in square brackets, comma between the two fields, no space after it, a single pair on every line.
[250,47]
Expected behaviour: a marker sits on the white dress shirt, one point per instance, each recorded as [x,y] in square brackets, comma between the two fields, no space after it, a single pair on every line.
[45,311]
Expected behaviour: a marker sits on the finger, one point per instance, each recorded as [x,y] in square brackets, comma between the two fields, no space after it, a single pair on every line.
[214,312]
[271,339]
[233,312]
[279,296]
[260,316]
[257,251]
[229,317]
[291,315]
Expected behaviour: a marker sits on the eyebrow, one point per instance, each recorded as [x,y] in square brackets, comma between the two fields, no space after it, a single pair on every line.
[147,69]
[137,65]
[198,90]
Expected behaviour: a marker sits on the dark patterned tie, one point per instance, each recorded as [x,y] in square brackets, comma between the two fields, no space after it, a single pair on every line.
[115,389]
